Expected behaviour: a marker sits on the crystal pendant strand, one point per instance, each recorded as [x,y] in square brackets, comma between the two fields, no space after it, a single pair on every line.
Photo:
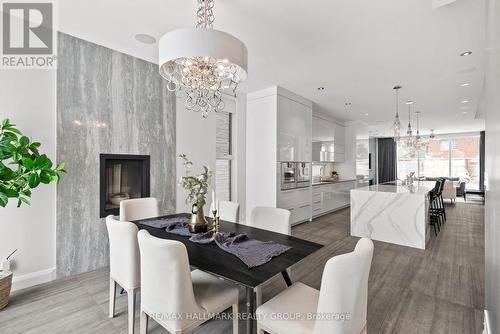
[418,138]
[409,131]
[397,123]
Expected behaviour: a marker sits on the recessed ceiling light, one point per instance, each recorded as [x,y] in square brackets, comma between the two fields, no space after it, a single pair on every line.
[366,114]
[464,101]
[464,112]
[465,84]
[466,53]
[409,102]
[145,38]
[321,88]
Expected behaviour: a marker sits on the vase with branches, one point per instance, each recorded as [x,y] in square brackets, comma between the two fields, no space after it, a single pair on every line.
[197,189]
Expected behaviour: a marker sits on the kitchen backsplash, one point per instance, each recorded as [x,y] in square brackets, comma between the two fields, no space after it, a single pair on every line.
[322,169]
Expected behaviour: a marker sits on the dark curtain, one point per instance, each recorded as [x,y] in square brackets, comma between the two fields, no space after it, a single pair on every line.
[387,156]
[481,160]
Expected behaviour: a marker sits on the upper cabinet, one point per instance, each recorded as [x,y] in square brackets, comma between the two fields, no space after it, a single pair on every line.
[329,140]
[294,129]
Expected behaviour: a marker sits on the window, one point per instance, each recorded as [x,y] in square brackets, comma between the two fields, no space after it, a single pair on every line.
[450,156]
[434,162]
[224,150]
[465,160]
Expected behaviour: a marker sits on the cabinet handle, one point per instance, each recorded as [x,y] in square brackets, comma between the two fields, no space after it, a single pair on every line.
[318,202]
[304,206]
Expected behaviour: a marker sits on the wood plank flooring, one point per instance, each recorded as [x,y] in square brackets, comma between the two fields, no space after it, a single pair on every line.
[439,290]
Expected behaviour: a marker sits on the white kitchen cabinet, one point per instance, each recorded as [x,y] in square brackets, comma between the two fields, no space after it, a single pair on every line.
[294,130]
[331,196]
[278,128]
[329,141]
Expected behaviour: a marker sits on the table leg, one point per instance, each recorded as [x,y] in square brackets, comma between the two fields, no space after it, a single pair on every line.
[286,277]
[250,310]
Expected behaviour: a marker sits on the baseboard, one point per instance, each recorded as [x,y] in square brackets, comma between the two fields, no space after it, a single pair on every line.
[32,279]
[487,325]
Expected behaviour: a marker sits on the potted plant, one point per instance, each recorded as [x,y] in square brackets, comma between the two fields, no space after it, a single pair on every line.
[197,188]
[22,167]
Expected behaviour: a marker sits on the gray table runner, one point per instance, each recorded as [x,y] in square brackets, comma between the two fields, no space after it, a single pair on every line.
[252,252]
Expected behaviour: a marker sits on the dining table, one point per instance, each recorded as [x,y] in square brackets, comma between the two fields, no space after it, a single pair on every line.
[212,259]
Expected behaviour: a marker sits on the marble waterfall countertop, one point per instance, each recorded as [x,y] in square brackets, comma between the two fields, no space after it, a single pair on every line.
[418,187]
[393,213]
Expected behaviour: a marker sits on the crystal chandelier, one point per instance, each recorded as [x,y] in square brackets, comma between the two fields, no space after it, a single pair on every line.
[203,62]
[432,135]
[397,123]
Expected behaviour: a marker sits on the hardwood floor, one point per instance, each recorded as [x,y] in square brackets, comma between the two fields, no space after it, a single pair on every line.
[439,290]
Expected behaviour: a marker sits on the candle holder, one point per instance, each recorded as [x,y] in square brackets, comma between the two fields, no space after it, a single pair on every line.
[215,224]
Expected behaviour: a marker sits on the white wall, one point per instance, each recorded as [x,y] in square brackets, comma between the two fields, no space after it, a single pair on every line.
[27,97]
[239,137]
[195,137]
[492,217]
[261,150]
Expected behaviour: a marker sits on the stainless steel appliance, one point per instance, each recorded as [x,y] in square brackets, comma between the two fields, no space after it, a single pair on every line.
[288,180]
[295,175]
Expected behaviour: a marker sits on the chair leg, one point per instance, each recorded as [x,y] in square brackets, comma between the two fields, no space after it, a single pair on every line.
[131,310]
[144,322]
[112,297]
[258,296]
[235,318]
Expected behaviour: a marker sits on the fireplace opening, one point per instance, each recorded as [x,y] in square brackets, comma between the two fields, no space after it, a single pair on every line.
[122,177]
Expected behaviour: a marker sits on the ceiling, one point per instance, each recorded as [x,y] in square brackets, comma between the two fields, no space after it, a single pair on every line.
[358,50]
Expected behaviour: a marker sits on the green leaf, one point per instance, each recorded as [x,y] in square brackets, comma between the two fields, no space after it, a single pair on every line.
[11,129]
[28,163]
[24,141]
[42,162]
[33,180]
[60,167]
[45,177]
[11,193]
[5,123]
[3,199]
[24,200]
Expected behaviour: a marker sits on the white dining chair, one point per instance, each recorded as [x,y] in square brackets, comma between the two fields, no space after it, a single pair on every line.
[177,299]
[340,306]
[228,211]
[271,219]
[124,264]
[139,208]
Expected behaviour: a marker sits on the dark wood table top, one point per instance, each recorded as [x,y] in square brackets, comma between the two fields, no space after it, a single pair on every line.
[210,258]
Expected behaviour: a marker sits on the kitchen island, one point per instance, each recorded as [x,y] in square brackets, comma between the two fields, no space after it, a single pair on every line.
[392,212]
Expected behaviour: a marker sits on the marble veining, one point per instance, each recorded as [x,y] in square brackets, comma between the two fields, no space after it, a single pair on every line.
[395,216]
[107,102]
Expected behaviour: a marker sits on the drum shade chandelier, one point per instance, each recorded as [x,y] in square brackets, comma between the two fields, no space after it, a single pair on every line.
[202,62]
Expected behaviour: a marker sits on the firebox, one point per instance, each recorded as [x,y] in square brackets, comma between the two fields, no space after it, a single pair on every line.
[122,176]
